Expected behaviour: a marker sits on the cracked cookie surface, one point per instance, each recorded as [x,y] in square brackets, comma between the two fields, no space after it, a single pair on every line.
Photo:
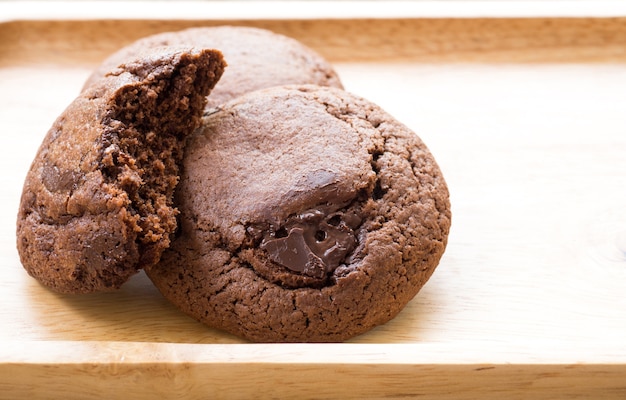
[97,201]
[308,214]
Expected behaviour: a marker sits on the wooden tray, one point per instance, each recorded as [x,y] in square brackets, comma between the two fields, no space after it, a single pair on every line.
[524,111]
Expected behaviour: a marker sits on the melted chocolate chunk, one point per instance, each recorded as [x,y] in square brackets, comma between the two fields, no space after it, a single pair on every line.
[313,243]
[59,180]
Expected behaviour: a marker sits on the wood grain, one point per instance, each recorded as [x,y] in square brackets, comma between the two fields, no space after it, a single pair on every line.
[447,40]
[123,370]
[526,119]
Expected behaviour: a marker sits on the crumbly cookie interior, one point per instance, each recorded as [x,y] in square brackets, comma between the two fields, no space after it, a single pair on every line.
[144,142]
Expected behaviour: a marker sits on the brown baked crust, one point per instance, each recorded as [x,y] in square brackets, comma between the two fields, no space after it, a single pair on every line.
[97,201]
[257,59]
[280,155]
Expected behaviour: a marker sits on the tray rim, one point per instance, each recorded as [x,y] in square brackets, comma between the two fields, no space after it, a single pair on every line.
[122,369]
[299,9]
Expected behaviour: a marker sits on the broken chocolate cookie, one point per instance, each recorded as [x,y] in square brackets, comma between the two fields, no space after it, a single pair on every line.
[97,201]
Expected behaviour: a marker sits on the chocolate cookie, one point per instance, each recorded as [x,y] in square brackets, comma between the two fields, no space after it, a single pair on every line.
[257,58]
[97,202]
[307,214]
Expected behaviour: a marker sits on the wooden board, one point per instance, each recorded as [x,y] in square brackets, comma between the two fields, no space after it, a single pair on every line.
[527,119]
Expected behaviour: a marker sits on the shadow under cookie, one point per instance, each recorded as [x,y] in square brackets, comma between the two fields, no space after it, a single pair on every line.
[136,312]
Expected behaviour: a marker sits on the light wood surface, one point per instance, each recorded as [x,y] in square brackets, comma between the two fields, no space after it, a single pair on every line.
[527,119]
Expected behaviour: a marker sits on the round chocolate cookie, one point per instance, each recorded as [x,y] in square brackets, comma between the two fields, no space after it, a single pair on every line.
[307,215]
[257,59]
[97,201]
